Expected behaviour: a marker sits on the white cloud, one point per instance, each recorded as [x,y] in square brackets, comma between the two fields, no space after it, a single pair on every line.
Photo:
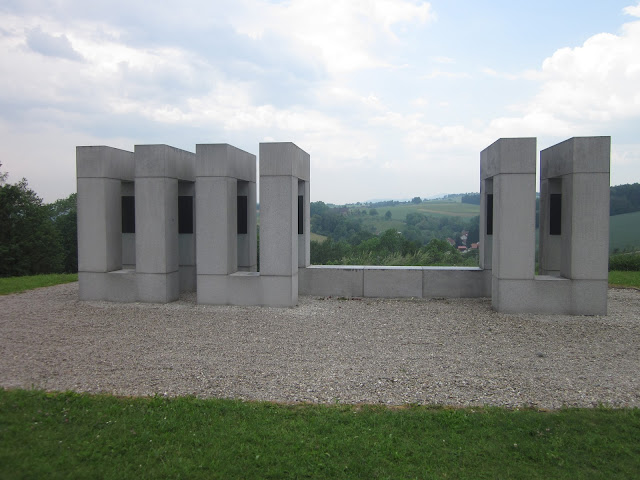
[582,89]
[633,11]
[342,34]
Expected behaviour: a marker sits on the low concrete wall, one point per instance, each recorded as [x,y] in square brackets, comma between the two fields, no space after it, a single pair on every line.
[394,282]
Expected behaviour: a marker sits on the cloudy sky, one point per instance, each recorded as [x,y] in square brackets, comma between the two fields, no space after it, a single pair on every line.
[391,98]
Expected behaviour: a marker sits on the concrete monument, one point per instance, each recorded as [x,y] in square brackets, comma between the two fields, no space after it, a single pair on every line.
[158,221]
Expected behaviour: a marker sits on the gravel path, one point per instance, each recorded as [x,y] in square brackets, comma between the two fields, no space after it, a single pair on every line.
[450,352]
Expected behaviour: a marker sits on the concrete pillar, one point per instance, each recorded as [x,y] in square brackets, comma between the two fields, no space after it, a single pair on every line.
[247,245]
[511,165]
[222,171]
[486,223]
[304,224]
[282,167]
[187,236]
[128,237]
[550,245]
[100,173]
[578,170]
[158,170]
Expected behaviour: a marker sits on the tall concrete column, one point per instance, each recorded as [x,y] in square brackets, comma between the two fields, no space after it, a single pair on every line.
[282,167]
[577,170]
[486,223]
[158,169]
[511,165]
[100,173]
[304,224]
[222,173]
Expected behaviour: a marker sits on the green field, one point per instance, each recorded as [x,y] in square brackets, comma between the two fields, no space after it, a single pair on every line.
[20,284]
[438,208]
[316,237]
[68,435]
[433,208]
[624,232]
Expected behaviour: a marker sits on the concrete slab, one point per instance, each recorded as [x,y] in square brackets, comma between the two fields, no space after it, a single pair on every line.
[224,160]
[284,159]
[330,280]
[455,282]
[104,162]
[393,282]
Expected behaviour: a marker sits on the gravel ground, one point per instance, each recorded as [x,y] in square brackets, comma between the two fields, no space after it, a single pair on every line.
[449,352]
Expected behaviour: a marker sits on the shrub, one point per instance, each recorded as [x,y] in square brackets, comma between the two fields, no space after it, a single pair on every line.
[625,262]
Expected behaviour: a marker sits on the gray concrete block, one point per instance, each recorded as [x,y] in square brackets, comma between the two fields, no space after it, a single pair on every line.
[393,282]
[104,162]
[128,249]
[330,280]
[186,249]
[158,287]
[224,160]
[485,240]
[513,250]
[284,159]
[156,225]
[279,291]
[188,278]
[508,155]
[164,161]
[589,231]
[304,239]
[116,286]
[542,295]
[216,220]
[576,155]
[589,297]
[278,225]
[212,289]
[455,282]
[99,225]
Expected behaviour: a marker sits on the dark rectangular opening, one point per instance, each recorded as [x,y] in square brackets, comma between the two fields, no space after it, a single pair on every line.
[243,220]
[185,214]
[128,214]
[490,214]
[300,214]
[555,214]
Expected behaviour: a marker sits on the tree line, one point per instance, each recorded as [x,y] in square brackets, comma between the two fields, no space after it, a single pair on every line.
[390,248]
[624,199]
[36,237]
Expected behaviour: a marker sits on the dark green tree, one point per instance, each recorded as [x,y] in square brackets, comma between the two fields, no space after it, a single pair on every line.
[64,214]
[416,200]
[388,215]
[29,241]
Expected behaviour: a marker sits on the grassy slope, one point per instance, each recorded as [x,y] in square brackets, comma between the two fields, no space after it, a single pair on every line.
[624,232]
[20,284]
[65,435]
[430,208]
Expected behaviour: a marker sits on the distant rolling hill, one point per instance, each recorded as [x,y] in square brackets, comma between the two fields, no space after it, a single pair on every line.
[624,232]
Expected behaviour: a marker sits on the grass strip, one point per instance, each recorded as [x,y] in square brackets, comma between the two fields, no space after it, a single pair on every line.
[624,279]
[20,284]
[68,435]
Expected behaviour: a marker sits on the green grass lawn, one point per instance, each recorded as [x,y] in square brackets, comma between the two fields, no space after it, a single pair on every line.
[66,435]
[624,279]
[20,284]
